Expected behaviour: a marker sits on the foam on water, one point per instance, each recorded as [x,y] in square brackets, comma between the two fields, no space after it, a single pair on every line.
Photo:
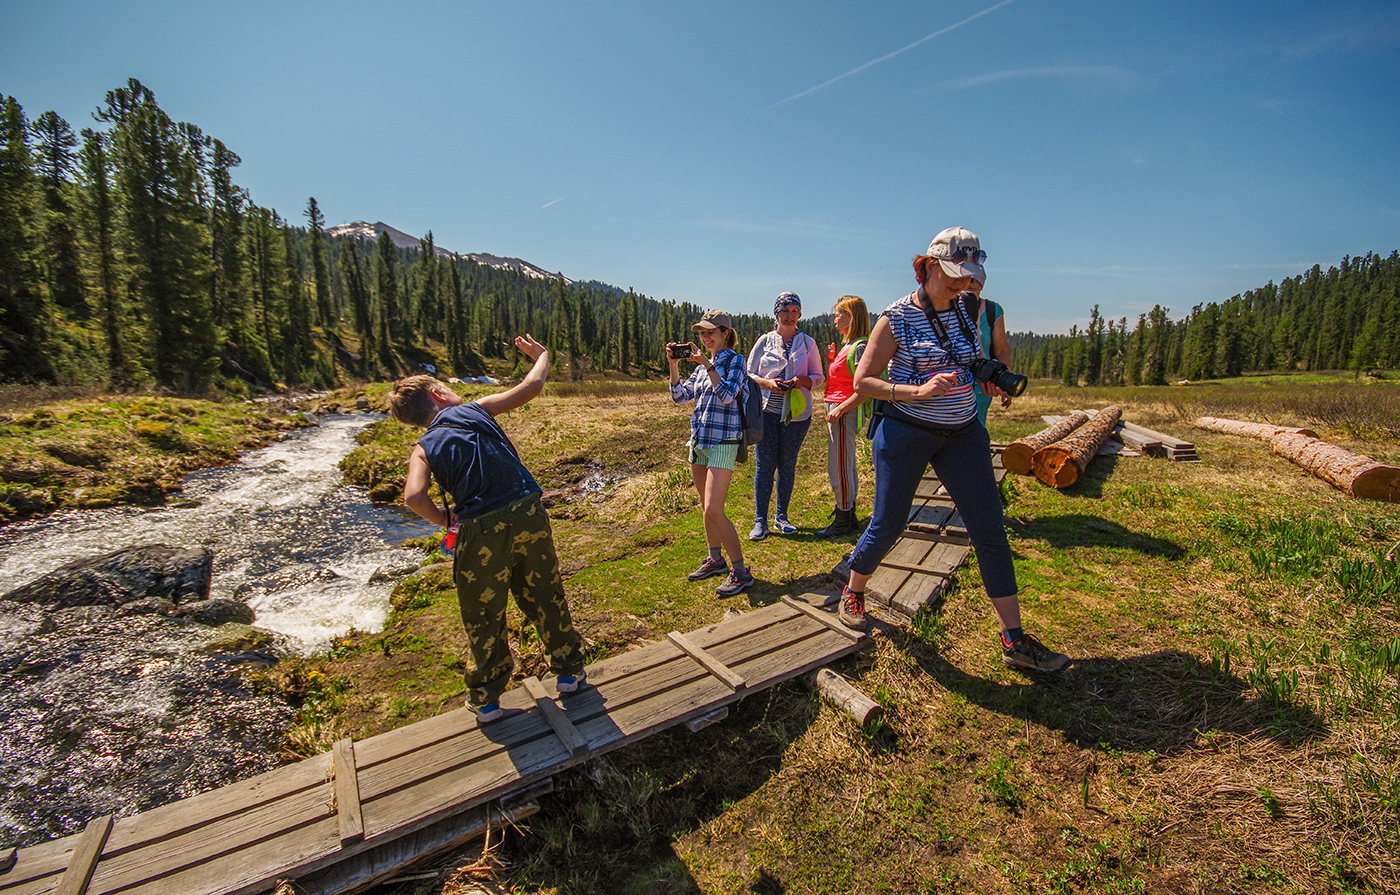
[288,537]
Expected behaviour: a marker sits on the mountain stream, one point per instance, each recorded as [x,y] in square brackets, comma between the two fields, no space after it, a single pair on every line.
[103,713]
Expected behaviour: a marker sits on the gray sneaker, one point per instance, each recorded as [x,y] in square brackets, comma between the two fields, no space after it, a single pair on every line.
[784,527]
[1029,654]
[709,568]
[735,583]
[760,530]
[851,612]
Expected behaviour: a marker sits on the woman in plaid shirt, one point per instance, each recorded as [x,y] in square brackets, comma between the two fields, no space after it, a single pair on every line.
[716,386]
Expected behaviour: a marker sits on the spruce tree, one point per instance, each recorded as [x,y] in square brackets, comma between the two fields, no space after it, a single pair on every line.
[325,313]
[103,261]
[24,314]
[54,143]
[159,176]
[386,298]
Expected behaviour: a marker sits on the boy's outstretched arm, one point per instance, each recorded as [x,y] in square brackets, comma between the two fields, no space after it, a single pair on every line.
[528,388]
[415,489]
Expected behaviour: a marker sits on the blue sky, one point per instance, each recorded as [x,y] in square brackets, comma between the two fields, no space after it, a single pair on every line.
[1118,154]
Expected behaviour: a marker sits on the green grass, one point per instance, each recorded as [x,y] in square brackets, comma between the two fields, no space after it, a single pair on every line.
[1231,723]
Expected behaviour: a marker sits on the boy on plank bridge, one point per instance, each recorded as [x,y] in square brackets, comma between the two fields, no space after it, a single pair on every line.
[504,541]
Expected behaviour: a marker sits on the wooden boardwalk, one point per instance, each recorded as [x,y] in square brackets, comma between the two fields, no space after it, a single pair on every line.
[377,804]
[923,563]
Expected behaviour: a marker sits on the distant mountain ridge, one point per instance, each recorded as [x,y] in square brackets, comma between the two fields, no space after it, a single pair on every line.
[364,230]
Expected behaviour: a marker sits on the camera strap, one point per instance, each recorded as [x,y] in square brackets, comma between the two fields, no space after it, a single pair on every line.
[960,310]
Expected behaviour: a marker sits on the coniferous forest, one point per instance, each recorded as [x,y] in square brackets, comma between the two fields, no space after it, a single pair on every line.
[130,258]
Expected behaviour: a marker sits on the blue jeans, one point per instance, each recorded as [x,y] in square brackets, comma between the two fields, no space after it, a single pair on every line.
[963,463]
[777,453]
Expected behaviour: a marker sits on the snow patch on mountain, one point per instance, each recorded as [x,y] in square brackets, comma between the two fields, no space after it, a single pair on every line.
[364,230]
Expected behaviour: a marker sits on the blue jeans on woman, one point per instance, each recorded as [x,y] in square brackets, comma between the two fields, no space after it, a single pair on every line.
[963,462]
[777,454]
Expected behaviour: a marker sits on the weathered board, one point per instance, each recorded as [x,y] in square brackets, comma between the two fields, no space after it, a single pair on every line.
[923,563]
[414,787]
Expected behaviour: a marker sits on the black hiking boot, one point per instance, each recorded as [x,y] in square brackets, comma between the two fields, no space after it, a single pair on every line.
[843,522]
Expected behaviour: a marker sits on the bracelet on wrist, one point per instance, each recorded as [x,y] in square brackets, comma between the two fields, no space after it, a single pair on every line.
[892,391]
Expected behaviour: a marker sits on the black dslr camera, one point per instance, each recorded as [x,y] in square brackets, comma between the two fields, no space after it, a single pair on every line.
[989,369]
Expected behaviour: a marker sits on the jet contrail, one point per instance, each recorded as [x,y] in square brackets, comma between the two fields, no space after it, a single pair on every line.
[860,68]
[547,204]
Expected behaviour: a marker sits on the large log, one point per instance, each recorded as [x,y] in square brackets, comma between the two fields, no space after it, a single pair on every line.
[1261,431]
[1356,474]
[1060,464]
[1017,456]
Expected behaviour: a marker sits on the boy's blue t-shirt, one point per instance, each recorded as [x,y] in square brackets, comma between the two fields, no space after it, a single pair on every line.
[472,460]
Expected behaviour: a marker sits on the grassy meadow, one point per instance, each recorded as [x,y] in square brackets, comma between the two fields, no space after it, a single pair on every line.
[1230,723]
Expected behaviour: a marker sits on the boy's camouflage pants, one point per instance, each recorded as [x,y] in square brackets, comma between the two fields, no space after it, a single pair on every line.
[511,549]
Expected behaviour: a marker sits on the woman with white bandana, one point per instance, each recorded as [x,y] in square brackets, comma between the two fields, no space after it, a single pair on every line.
[787,364]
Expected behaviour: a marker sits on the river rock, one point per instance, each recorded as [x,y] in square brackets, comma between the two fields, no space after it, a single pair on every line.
[215,612]
[152,570]
[147,606]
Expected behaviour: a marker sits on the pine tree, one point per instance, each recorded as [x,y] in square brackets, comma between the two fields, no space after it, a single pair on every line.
[300,351]
[54,142]
[24,314]
[159,176]
[325,312]
[1155,347]
[386,297]
[105,270]
[228,304]
[1093,355]
[353,276]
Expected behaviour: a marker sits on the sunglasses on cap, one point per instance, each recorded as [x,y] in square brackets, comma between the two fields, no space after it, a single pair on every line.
[958,256]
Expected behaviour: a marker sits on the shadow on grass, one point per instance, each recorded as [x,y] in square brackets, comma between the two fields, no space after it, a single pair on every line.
[609,826]
[1159,701]
[1083,530]
[766,593]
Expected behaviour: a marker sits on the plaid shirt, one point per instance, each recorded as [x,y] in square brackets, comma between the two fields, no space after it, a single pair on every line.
[716,416]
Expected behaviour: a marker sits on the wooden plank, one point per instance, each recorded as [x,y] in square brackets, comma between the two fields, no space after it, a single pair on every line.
[775,639]
[712,665]
[85,856]
[563,727]
[919,570]
[390,858]
[826,618]
[695,725]
[259,823]
[347,791]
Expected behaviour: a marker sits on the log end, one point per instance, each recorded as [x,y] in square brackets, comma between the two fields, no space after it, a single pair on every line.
[1378,483]
[1017,458]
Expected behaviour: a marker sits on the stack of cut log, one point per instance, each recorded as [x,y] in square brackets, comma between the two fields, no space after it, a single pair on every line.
[1058,455]
[1356,474]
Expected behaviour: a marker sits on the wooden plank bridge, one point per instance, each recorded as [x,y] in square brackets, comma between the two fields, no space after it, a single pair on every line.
[923,563]
[349,818]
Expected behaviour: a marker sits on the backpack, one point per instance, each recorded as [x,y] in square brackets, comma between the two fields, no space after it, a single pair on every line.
[751,414]
[863,411]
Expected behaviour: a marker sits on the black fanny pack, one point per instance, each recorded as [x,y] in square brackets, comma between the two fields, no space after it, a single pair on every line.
[891,410]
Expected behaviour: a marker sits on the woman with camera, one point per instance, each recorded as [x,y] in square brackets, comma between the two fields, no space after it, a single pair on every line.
[787,364]
[928,414]
[716,385]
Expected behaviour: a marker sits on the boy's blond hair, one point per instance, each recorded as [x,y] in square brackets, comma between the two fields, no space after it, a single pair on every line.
[411,401]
